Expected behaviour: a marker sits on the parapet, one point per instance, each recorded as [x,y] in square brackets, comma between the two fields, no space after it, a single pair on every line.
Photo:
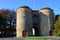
[35,10]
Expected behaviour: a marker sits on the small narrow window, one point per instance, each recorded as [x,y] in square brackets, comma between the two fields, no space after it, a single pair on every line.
[24,16]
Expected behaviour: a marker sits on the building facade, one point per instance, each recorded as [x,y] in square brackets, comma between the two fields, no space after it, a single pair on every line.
[39,20]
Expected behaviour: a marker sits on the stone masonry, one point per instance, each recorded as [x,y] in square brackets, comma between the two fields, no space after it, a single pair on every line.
[39,20]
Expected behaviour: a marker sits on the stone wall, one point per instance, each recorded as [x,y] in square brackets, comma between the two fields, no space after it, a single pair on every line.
[40,20]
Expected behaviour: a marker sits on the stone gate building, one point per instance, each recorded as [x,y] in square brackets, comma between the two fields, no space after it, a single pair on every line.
[39,20]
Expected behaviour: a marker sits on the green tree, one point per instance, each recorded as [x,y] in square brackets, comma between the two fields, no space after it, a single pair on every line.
[57,27]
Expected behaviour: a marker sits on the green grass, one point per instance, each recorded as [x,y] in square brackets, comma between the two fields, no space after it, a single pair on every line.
[35,38]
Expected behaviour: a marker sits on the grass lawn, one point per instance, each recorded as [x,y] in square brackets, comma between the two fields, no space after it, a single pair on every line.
[35,38]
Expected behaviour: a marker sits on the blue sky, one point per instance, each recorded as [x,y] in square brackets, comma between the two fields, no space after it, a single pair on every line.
[33,4]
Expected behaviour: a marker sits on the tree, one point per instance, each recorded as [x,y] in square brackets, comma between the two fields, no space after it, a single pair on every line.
[56,17]
[57,26]
[9,19]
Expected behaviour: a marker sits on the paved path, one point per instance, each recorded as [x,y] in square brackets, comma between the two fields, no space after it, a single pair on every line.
[14,38]
[10,39]
[53,38]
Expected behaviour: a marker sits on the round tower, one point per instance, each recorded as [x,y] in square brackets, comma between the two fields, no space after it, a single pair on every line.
[24,20]
[46,20]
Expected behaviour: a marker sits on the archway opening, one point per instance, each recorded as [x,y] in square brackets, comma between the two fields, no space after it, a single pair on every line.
[33,31]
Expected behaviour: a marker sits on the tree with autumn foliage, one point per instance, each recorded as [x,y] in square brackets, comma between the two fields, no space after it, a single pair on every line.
[57,26]
[8,20]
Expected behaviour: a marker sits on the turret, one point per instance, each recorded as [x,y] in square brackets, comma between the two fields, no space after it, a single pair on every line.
[24,20]
[46,20]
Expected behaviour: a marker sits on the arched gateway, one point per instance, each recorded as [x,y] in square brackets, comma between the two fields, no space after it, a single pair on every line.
[40,20]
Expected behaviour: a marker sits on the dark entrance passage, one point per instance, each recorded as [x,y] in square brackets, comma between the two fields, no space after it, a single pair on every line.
[36,24]
[36,31]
